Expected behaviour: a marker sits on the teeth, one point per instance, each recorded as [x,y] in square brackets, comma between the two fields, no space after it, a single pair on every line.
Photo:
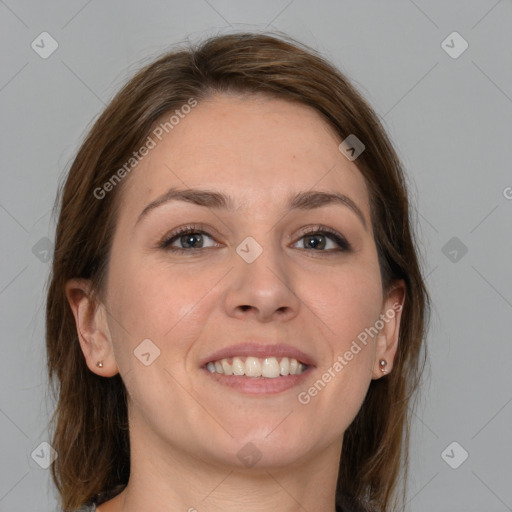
[226,368]
[285,366]
[238,366]
[252,367]
[268,367]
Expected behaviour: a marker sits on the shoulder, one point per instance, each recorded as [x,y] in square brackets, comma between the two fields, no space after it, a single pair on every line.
[87,508]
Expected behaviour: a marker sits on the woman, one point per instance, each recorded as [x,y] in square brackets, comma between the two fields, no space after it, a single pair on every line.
[236,314]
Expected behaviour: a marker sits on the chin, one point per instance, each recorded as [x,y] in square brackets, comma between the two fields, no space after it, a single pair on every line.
[267,447]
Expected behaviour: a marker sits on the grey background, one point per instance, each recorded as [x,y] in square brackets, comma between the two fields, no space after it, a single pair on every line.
[450,120]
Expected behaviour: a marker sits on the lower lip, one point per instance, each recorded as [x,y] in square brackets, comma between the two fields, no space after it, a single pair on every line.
[259,385]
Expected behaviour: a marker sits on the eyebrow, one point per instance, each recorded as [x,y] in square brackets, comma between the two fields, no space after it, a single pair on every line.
[216,200]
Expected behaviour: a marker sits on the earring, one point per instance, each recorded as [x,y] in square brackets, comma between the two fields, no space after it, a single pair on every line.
[99,364]
[383,364]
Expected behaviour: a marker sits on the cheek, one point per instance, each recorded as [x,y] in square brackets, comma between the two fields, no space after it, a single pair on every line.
[159,303]
[347,302]
[344,305]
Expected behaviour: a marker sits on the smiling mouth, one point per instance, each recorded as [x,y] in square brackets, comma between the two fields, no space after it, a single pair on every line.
[266,367]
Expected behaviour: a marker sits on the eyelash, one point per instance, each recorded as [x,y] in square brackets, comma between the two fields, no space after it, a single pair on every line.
[344,245]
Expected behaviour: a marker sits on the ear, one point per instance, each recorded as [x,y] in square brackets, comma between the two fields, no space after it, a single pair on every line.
[92,327]
[387,339]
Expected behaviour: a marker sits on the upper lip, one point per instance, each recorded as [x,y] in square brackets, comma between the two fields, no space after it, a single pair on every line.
[259,349]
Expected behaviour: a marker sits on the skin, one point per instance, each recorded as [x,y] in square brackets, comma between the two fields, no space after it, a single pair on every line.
[185,428]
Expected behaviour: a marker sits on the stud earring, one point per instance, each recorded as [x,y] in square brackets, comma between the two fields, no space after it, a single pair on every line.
[99,364]
[383,364]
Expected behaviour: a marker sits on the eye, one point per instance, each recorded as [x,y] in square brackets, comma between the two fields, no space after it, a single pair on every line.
[323,239]
[192,238]
[186,238]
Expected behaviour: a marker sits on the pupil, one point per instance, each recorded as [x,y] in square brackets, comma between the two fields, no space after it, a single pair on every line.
[312,240]
[190,239]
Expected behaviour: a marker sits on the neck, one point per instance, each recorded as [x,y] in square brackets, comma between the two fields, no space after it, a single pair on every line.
[163,478]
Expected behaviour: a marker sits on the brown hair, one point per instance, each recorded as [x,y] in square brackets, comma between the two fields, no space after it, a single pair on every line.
[90,420]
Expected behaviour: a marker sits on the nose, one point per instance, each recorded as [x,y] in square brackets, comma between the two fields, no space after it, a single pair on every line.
[263,289]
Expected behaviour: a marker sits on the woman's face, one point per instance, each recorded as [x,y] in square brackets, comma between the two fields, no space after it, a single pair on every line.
[256,282]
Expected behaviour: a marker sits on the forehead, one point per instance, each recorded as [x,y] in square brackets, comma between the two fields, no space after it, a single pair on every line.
[256,149]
